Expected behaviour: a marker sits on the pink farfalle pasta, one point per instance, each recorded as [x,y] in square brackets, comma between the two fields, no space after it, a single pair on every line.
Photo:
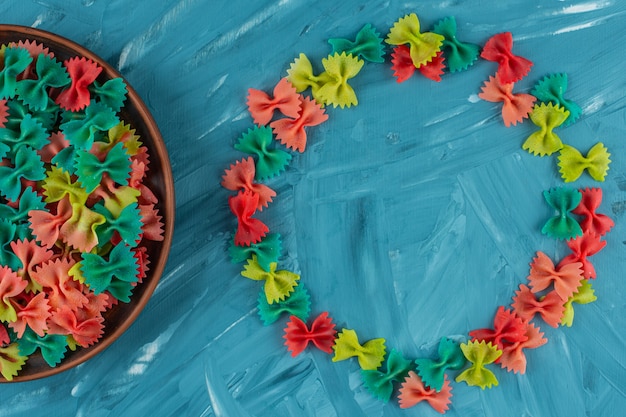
[83,72]
[262,107]
[515,107]
[511,68]
[413,392]
[291,133]
[593,222]
[513,357]
[240,176]
[549,307]
[321,334]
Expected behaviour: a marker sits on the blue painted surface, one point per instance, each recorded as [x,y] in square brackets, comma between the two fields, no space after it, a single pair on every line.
[410,217]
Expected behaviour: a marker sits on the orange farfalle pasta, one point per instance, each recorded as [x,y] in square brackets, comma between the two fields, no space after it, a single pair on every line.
[30,255]
[34,314]
[249,230]
[291,133]
[550,307]
[46,225]
[152,226]
[515,107]
[240,176]
[565,278]
[61,289]
[513,357]
[413,392]
[83,72]
[84,330]
[321,334]
[592,222]
[511,68]
[11,285]
[262,107]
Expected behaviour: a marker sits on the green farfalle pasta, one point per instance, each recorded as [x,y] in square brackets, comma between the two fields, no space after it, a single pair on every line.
[379,383]
[127,224]
[367,45]
[336,90]
[479,354]
[52,346]
[270,162]
[28,166]
[18,111]
[11,361]
[16,60]
[544,141]
[50,74]
[115,274]
[583,295]
[297,304]
[278,284]
[370,355]
[459,55]
[111,93]
[266,251]
[551,89]
[29,132]
[572,163]
[423,47]
[563,200]
[90,169]
[29,200]
[8,231]
[87,126]
[432,372]
[66,159]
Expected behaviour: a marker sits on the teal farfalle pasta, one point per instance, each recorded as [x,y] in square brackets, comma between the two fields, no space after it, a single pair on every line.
[432,372]
[52,346]
[8,231]
[50,74]
[266,251]
[127,224]
[90,169]
[270,162]
[29,132]
[459,55]
[563,225]
[117,274]
[28,166]
[111,93]
[18,111]
[380,383]
[551,89]
[297,304]
[367,45]
[15,61]
[83,128]
[29,200]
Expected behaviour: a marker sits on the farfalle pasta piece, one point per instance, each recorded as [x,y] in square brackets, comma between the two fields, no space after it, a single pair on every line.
[28,132]
[549,307]
[291,132]
[584,295]
[112,93]
[16,60]
[117,274]
[50,74]
[4,113]
[270,162]
[46,225]
[297,304]
[83,128]
[28,166]
[402,64]
[565,277]
[29,200]
[84,330]
[513,357]
[11,361]
[370,355]
[479,354]
[380,383]
[515,107]
[240,176]
[79,231]
[90,169]
[30,255]
[511,68]
[151,223]
[11,285]
[128,225]
[459,55]
[572,163]
[82,72]
[34,314]
[550,89]
[278,284]
[435,68]
[562,226]
[508,328]
[266,251]
[262,107]
[583,247]
[8,231]
[55,278]
[52,347]
[300,75]
[249,229]
[368,45]
[5,338]
[432,372]
[423,47]
[322,334]
[335,90]
[593,222]
[413,391]
[547,118]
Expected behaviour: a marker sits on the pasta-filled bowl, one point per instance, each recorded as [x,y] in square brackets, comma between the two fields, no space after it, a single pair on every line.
[86,204]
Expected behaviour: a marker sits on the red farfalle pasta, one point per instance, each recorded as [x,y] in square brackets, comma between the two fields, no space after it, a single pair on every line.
[291,133]
[592,222]
[565,278]
[508,328]
[515,107]
[141,254]
[413,392]
[83,72]
[249,230]
[85,330]
[321,334]
[583,247]
[286,100]
[34,314]
[402,64]
[58,284]
[434,69]
[152,226]
[511,68]
[550,307]
[5,339]
[240,176]
[513,357]
[4,113]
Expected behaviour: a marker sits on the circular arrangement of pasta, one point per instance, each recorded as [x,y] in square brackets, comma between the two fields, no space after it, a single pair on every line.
[300,101]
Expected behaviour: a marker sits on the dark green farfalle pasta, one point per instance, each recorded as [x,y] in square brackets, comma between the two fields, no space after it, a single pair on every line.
[270,161]
[28,165]
[52,346]
[115,274]
[562,226]
[432,371]
[297,304]
[266,251]
[15,61]
[50,74]
[459,55]
[380,383]
[368,45]
[551,89]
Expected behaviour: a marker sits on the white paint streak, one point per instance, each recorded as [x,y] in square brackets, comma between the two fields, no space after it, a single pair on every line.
[584,7]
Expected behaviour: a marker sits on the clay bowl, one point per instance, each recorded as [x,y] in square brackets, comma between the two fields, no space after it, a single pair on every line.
[159,180]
